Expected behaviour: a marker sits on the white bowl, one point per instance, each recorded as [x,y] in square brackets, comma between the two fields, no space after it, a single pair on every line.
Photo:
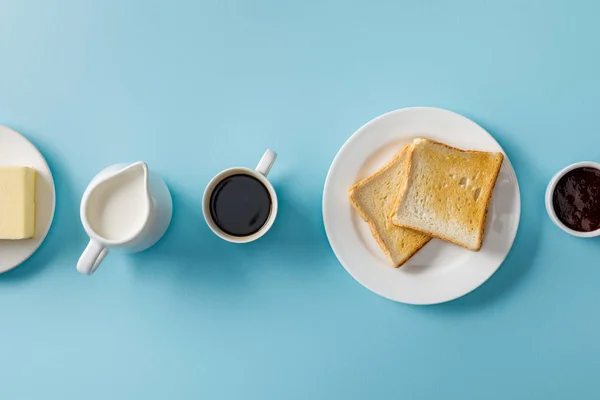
[550,193]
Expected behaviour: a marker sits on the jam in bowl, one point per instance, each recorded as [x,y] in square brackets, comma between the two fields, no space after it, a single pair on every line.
[573,199]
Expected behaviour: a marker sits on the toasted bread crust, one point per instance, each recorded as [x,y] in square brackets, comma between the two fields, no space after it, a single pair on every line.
[487,202]
[380,170]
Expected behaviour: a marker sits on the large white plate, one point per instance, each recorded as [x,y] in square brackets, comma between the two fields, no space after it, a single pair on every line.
[440,271]
[16,150]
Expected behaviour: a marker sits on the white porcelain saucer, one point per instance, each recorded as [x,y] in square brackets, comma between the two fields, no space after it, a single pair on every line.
[16,150]
[440,271]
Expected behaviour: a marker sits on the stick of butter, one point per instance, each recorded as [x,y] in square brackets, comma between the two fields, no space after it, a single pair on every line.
[17,206]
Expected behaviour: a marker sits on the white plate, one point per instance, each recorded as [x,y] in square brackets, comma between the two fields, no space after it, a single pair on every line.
[16,150]
[440,271]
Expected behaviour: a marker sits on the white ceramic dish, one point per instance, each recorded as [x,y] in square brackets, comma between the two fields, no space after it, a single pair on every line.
[440,271]
[17,150]
[550,193]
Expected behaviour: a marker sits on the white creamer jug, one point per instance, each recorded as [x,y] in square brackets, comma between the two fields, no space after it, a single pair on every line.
[125,207]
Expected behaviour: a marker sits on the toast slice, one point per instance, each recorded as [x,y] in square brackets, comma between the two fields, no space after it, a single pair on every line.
[447,192]
[374,198]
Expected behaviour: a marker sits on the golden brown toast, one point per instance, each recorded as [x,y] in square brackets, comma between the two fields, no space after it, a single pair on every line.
[447,192]
[374,198]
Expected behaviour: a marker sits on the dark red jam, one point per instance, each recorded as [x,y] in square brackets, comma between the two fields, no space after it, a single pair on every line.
[576,199]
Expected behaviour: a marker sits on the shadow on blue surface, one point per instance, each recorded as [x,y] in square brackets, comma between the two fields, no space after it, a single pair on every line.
[520,258]
[297,234]
[192,253]
[188,251]
[66,233]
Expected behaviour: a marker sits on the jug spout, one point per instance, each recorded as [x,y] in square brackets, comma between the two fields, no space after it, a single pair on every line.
[140,170]
[137,171]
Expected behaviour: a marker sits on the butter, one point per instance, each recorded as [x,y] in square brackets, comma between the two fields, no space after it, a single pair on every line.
[17,206]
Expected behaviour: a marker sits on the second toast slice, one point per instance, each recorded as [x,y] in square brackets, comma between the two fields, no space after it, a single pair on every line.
[374,198]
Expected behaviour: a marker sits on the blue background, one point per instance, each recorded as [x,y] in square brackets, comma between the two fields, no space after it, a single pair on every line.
[192,87]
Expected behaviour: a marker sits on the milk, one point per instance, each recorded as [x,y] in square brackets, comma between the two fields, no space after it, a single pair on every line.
[118,208]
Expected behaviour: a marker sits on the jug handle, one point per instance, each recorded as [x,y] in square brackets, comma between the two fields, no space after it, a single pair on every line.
[91,258]
[266,162]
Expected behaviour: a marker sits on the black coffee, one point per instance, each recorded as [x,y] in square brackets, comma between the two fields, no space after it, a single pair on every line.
[240,205]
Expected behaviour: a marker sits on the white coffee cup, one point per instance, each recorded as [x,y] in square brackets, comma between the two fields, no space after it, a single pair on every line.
[550,194]
[260,172]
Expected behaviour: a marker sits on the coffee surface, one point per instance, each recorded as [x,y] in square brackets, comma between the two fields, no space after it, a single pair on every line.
[240,205]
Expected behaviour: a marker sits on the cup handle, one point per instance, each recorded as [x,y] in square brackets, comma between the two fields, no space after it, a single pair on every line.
[266,162]
[91,258]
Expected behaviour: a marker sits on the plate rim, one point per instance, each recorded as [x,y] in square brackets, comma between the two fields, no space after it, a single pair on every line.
[348,143]
[53,211]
